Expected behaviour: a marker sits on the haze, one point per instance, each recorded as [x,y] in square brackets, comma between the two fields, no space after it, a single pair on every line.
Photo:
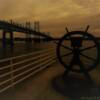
[54,15]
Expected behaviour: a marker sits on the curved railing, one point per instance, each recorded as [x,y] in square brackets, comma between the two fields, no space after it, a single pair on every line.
[14,70]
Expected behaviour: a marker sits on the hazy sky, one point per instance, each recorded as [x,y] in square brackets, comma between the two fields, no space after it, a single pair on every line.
[54,15]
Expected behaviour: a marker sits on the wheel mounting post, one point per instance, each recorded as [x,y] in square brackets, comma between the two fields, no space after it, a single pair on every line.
[67,30]
[87,28]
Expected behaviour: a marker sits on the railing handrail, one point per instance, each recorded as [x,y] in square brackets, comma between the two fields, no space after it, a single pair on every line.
[18,70]
[23,78]
[36,52]
[23,67]
[33,58]
[21,73]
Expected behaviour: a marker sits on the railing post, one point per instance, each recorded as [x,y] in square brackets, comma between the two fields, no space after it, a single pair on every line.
[12,74]
[39,61]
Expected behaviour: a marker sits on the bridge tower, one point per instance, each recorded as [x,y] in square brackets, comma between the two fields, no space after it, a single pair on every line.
[37,29]
[28,35]
[37,26]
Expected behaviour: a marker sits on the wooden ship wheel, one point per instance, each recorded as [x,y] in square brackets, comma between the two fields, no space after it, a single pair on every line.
[79,53]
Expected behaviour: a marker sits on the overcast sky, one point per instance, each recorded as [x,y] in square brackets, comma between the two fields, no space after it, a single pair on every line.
[54,15]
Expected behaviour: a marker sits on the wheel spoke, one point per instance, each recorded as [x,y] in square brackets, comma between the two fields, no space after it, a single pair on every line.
[66,47]
[88,48]
[90,58]
[67,54]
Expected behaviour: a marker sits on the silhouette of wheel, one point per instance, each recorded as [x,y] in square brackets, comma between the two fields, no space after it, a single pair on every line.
[78,47]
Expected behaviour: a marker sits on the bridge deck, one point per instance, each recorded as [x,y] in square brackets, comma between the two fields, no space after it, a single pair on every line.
[39,87]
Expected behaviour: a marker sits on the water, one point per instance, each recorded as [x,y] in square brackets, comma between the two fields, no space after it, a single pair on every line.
[18,49]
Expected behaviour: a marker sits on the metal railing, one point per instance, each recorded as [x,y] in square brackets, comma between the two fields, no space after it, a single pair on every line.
[14,70]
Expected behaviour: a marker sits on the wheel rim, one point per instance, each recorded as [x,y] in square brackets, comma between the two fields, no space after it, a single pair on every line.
[85,37]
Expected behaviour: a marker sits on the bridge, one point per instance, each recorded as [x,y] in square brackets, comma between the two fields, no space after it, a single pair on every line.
[10,27]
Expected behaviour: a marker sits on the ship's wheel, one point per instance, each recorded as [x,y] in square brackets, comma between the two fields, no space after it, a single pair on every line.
[79,52]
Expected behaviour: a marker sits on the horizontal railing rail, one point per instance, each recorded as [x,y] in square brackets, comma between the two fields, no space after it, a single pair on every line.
[14,70]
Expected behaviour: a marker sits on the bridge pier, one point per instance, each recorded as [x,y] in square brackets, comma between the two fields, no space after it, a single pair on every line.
[4,41]
[11,39]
